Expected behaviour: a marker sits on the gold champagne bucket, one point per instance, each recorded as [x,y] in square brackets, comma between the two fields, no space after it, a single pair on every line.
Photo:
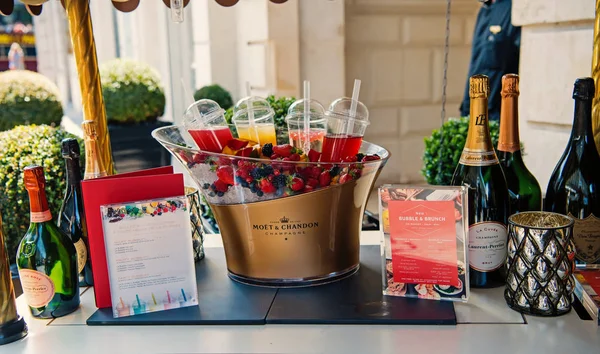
[286,237]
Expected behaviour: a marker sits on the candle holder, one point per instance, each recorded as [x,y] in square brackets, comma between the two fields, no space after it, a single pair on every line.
[12,326]
[540,263]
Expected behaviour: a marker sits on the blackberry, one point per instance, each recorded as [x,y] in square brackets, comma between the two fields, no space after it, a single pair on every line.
[259,193]
[334,171]
[267,170]
[206,186]
[279,181]
[359,157]
[267,149]
[256,173]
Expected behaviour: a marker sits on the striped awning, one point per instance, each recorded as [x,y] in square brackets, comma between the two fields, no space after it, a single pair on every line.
[35,6]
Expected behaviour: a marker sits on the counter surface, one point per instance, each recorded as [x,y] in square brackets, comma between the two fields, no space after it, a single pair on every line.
[485,325]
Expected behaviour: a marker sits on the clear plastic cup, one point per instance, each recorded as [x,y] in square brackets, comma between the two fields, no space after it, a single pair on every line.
[171,302]
[140,308]
[345,130]
[123,309]
[205,121]
[254,120]
[317,127]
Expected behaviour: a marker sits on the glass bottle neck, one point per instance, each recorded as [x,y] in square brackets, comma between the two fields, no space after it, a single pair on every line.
[73,172]
[582,122]
[478,136]
[38,206]
[509,140]
[93,165]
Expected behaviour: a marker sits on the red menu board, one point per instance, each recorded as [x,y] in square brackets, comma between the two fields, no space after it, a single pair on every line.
[592,277]
[423,242]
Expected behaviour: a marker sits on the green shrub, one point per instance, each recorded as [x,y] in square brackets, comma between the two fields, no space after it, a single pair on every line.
[443,152]
[132,92]
[19,148]
[27,97]
[216,93]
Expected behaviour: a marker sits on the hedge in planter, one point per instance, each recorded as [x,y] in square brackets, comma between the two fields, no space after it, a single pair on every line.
[132,92]
[216,93]
[27,97]
[19,148]
[443,149]
[134,99]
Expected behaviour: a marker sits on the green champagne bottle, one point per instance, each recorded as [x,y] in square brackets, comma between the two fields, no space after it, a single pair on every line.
[573,188]
[71,218]
[524,190]
[480,170]
[46,257]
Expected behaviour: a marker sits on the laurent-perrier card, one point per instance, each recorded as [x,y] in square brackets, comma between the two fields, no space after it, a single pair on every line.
[149,256]
[424,249]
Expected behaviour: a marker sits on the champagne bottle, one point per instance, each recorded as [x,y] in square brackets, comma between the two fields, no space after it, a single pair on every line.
[46,257]
[71,218]
[573,186]
[94,167]
[480,170]
[524,190]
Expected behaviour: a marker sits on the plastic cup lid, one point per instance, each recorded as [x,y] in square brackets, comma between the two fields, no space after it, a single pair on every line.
[296,111]
[206,110]
[260,108]
[340,109]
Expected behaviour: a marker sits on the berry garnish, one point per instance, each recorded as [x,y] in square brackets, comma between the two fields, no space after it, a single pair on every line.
[325,179]
[360,156]
[297,184]
[267,149]
[283,150]
[266,186]
[294,157]
[279,181]
[344,178]
[371,158]
[220,186]
[237,144]
[313,182]
[225,174]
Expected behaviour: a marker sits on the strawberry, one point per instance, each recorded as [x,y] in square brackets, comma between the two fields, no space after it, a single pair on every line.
[245,152]
[315,172]
[371,158]
[225,174]
[237,144]
[199,158]
[350,159]
[294,157]
[313,155]
[282,150]
[266,186]
[313,182]
[308,188]
[297,184]
[221,186]
[223,161]
[345,178]
[274,156]
[324,179]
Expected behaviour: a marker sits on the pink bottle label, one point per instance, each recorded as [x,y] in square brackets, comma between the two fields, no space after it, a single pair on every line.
[41,216]
[37,287]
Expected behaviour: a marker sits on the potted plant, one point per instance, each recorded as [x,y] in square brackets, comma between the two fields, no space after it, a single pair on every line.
[134,100]
[27,97]
[20,147]
[216,93]
[444,147]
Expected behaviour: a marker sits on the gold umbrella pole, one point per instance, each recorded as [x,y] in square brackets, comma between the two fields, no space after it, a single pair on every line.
[12,326]
[84,48]
[596,76]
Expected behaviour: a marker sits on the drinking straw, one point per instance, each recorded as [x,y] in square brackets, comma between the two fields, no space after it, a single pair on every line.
[183,293]
[250,107]
[306,116]
[138,301]
[153,299]
[122,303]
[197,114]
[168,297]
[353,104]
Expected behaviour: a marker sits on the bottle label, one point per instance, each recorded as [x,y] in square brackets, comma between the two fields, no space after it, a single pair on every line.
[37,287]
[41,216]
[487,246]
[586,234]
[471,157]
[81,255]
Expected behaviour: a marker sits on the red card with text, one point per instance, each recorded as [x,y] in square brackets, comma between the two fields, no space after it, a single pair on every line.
[423,242]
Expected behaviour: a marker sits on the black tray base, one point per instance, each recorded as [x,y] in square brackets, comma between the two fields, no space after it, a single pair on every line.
[354,300]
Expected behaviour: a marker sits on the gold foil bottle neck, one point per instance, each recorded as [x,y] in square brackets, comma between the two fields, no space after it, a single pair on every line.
[510,85]
[479,86]
[90,130]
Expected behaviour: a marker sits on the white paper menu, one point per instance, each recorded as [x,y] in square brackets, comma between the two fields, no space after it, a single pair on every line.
[149,255]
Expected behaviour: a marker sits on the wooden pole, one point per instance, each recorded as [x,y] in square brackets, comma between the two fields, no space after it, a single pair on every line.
[84,49]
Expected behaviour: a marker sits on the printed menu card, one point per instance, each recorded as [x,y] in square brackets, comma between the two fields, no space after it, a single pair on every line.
[424,242]
[149,255]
